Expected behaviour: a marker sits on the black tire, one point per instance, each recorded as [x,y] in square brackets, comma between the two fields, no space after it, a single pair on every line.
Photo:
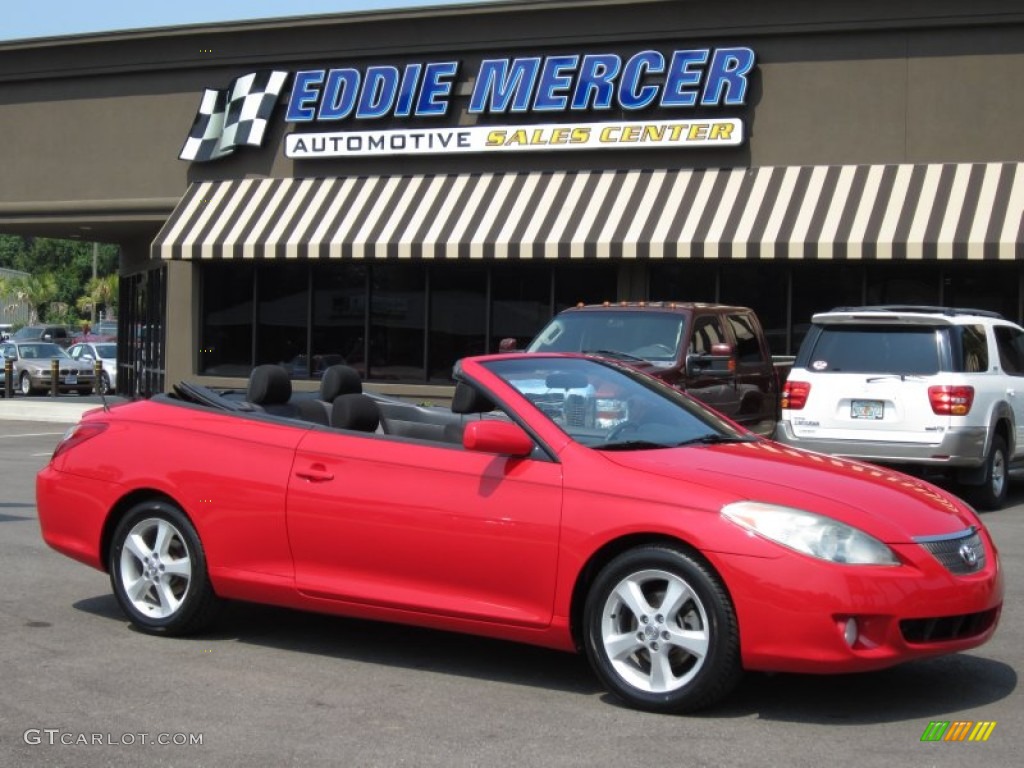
[649,632]
[25,384]
[155,598]
[991,494]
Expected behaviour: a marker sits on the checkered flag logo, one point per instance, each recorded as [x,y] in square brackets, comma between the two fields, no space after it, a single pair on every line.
[234,117]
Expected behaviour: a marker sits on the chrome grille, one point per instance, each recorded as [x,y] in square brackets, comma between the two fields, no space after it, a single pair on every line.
[960,553]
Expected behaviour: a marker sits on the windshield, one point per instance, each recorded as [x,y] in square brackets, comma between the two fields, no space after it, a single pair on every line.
[41,351]
[647,335]
[611,407]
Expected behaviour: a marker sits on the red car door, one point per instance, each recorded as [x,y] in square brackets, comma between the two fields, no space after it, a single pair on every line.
[433,528]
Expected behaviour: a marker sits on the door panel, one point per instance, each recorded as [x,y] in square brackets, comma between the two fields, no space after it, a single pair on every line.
[431,528]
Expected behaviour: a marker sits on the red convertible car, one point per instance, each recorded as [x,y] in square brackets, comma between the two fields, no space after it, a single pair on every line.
[562,500]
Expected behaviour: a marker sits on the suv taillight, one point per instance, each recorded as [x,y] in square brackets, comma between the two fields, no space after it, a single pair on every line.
[951,401]
[794,395]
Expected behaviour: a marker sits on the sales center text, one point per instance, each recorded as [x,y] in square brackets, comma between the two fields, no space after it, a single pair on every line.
[520,137]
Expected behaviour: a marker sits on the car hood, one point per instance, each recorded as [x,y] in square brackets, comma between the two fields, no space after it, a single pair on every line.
[889,505]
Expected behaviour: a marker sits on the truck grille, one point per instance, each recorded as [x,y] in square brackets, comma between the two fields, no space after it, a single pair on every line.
[960,553]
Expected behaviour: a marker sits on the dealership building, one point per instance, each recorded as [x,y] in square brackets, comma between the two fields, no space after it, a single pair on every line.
[398,190]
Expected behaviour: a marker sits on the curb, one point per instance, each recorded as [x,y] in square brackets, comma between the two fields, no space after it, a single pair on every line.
[41,410]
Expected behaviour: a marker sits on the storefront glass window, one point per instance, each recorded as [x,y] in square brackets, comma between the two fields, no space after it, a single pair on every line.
[819,287]
[589,282]
[682,280]
[226,327]
[458,315]
[397,322]
[339,316]
[520,302]
[903,283]
[983,286]
[283,301]
[762,286]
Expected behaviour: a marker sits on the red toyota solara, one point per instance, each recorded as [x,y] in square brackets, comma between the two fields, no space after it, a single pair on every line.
[561,500]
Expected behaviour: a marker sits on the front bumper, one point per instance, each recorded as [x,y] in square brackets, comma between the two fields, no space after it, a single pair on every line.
[960,447]
[794,611]
[65,381]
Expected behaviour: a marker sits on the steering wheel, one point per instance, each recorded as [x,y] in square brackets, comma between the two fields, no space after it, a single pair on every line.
[621,429]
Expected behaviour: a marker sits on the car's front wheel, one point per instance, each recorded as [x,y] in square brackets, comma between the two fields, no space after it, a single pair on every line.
[158,571]
[661,631]
[25,384]
[104,383]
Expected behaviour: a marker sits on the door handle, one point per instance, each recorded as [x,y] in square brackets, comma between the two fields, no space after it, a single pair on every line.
[1011,393]
[317,473]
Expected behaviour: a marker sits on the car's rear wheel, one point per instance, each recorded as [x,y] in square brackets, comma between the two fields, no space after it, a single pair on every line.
[158,571]
[661,631]
[25,384]
[991,494]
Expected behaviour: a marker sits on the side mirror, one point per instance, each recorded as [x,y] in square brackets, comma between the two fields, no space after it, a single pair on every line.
[47,337]
[508,345]
[491,436]
[721,362]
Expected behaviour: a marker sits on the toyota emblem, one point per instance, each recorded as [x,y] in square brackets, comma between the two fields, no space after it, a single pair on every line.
[968,555]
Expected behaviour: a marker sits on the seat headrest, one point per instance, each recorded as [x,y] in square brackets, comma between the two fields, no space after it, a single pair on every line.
[470,400]
[340,380]
[269,385]
[355,411]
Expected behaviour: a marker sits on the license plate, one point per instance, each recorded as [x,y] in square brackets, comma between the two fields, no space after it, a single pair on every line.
[70,379]
[867,409]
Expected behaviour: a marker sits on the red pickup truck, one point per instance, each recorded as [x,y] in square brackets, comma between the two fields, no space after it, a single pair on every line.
[714,352]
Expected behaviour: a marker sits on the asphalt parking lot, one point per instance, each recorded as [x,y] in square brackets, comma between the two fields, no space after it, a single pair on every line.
[274,687]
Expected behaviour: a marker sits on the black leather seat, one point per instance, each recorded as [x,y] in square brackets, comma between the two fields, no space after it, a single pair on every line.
[355,411]
[270,388]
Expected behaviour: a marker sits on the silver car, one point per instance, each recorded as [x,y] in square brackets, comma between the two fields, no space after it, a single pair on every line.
[33,361]
[104,351]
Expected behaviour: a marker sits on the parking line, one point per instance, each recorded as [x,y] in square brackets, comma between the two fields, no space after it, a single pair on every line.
[31,434]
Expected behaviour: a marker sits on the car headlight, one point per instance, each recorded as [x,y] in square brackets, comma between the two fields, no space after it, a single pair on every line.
[812,534]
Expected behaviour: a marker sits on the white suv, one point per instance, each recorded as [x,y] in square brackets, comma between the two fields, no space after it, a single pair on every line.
[927,386]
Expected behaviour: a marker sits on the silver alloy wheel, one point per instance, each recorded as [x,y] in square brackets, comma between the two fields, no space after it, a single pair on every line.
[156,568]
[998,477]
[26,384]
[655,631]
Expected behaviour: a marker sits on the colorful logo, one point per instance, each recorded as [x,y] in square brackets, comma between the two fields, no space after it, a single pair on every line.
[958,730]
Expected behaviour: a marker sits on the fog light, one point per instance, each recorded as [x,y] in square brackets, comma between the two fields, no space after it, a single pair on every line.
[850,632]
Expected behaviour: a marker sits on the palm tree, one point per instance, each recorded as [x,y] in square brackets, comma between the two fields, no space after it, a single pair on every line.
[99,291]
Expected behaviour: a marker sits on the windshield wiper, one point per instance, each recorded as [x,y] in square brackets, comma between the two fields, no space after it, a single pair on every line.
[612,353]
[900,376]
[715,440]
[630,445]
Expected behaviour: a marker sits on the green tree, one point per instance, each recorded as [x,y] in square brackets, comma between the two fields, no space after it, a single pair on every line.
[100,292]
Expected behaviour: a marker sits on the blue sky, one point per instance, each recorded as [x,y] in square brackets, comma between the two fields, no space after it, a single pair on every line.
[48,18]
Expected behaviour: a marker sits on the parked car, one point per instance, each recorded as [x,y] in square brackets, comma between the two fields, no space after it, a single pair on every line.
[672,547]
[106,353]
[58,334]
[715,352]
[33,371]
[925,387]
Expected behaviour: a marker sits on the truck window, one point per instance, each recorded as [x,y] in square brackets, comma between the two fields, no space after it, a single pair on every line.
[707,330]
[748,348]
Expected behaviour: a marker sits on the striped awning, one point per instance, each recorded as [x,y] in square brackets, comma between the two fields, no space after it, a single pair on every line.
[940,211]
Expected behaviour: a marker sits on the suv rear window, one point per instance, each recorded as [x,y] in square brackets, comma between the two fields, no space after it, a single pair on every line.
[904,349]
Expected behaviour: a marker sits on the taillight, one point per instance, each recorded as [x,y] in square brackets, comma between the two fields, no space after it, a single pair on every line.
[794,394]
[951,401]
[77,435]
